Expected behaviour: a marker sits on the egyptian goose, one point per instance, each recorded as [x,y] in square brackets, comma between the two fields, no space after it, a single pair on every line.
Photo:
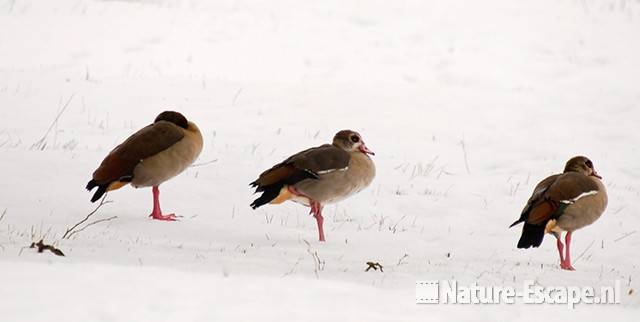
[319,176]
[149,157]
[563,202]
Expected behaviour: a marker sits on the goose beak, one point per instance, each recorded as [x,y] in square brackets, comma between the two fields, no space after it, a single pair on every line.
[595,174]
[365,150]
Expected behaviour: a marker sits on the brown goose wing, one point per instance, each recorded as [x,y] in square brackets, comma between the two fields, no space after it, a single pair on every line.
[548,201]
[308,164]
[538,197]
[561,192]
[148,141]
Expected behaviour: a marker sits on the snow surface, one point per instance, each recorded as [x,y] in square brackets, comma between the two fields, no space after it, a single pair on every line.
[467,104]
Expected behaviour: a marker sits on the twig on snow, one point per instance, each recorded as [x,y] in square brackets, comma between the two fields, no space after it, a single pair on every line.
[586,249]
[91,224]
[464,151]
[203,163]
[72,231]
[235,97]
[41,144]
[400,261]
[318,264]
[615,240]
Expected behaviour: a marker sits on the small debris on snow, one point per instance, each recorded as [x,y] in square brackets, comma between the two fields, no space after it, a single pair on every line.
[42,247]
[375,266]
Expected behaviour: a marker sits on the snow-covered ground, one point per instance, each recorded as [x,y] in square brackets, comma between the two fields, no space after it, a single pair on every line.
[467,105]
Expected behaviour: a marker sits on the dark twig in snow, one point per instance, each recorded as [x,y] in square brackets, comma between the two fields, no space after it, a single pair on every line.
[586,249]
[464,151]
[41,144]
[318,264]
[235,97]
[400,261]
[615,240]
[203,163]
[393,228]
[293,269]
[91,224]
[71,231]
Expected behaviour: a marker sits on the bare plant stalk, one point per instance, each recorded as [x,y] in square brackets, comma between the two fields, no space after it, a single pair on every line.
[293,268]
[401,260]
[71,231]
[90,224]
[615,241]
[203,163]
[395,226]
[464,151]
[235,97]
[585,251]
[40,144]
[318,264]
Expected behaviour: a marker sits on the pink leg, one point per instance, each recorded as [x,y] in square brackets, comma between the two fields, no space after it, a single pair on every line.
[316,210]
[560,250]
[567,258]
[157,213]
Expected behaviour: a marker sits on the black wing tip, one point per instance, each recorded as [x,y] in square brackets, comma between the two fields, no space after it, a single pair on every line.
[516,222]
[102,189]
[264,199]
[259,203]
[91,184]
[532,236]
[269,193]
[256,185]
[528,245]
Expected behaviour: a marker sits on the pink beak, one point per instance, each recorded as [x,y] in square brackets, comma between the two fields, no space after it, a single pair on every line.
[365,150]
[595,174]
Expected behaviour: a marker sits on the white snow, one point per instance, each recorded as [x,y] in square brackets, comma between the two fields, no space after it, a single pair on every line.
[468,104]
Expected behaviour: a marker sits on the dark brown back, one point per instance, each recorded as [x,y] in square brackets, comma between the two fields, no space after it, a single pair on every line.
[311,161]
[143,144]
[550,192]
